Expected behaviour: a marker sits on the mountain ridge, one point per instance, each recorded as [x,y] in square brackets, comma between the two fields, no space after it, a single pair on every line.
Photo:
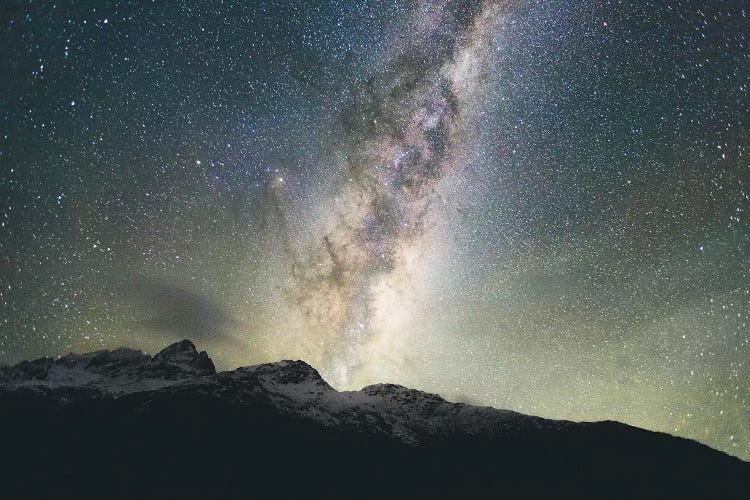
[287,405]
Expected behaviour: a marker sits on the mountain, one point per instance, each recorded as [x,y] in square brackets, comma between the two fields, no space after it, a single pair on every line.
[123,424]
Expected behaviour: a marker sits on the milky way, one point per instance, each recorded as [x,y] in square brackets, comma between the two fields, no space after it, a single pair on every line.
[400,135]
[539,206]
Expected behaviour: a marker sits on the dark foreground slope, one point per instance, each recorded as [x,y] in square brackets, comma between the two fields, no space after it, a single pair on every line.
[124,424]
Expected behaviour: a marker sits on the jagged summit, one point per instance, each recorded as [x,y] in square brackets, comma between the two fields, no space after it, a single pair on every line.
[401,393]
[185,354]
[289,372]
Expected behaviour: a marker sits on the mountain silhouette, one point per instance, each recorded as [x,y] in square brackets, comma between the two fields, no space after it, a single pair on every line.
[123,424]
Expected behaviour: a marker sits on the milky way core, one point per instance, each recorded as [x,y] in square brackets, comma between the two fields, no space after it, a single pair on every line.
[400,135]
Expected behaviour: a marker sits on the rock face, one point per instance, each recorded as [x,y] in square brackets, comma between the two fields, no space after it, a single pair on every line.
[124,424]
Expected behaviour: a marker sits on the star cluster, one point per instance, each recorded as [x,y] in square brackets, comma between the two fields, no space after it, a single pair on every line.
[540,206]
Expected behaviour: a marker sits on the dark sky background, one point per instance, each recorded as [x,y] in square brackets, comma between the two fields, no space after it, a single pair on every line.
[540,206]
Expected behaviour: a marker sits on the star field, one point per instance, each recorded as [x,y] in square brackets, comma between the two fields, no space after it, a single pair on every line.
[540,206]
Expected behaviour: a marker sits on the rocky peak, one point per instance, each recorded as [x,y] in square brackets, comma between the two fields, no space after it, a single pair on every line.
[285,374]
[295,372]
[184,354]
[401,394]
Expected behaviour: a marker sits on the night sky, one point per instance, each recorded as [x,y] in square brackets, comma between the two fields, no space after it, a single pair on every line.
[540,206]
